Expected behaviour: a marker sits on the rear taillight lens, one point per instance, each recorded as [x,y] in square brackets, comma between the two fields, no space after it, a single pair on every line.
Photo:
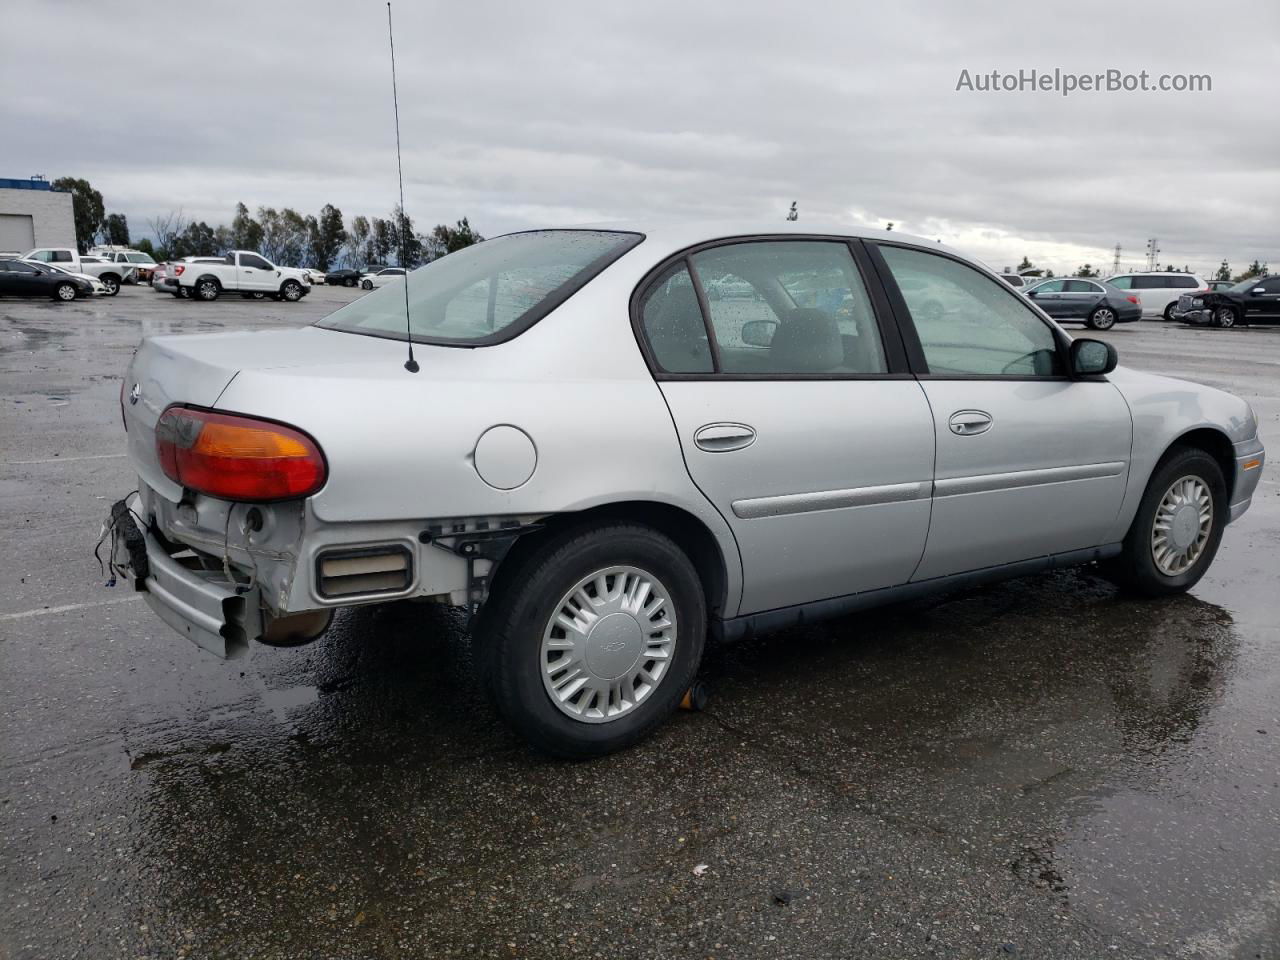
[177,270]
[1132,299]
[237,458]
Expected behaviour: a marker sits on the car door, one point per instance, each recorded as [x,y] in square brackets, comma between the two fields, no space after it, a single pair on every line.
[255,273]
[1029,462]
[1262,301]
[1078,299]
[29,280]
[795,413]
[1048,297]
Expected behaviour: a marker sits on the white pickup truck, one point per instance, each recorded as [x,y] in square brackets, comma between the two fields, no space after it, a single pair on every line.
[68,258]
[241,271]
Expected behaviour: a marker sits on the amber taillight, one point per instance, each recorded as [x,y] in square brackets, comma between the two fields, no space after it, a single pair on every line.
[238,458]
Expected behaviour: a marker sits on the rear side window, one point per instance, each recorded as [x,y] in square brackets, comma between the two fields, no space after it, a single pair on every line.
[60,256]
[1123,283]
[968,323]
[1188,282]
[487,292]
[1152,283]
[673,326]
[789,307]
[1080,286]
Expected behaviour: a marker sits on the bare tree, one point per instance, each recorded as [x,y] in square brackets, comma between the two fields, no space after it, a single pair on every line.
[168,229]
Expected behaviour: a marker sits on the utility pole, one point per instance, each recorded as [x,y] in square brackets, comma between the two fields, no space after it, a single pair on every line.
[793,214]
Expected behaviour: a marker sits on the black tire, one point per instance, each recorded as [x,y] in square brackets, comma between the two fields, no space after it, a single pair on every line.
[349,282]
[511,626]
[1168,311]
[1135,568]
[207,289]
[1102,318]
[366,284]
[291,290]
[1225,317]
[65,292]
[112,283]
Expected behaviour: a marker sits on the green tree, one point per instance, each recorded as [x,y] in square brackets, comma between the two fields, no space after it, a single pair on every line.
[86,209]
[246,232]
[357,242]
[408,244]
[452,239]
[327,236]
[381,240]
[146,247]
[1224,271]
[1086,271]
[198,240]
[1254,269]
[223,239]
[1025,265]
[115,229]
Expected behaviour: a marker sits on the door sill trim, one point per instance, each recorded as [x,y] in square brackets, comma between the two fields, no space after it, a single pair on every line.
[766,621]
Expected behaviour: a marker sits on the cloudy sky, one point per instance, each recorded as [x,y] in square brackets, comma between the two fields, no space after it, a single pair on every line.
[519,114]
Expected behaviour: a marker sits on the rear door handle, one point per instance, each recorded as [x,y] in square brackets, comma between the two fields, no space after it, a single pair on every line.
[970,423]
[723,437]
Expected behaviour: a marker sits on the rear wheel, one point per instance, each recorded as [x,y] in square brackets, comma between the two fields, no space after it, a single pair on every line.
[366,284]
[1224,317]
[1102,318]
[207,289]
[1178,527]
[349,282]
[65,292]
[590,644]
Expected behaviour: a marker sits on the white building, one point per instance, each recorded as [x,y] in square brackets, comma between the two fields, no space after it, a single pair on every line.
[33,214]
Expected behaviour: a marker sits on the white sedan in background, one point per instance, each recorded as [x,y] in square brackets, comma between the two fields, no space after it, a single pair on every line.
[371,281]
[99,288]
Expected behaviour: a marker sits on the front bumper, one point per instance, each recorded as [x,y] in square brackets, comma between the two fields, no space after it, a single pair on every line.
[1197,316]
[1250,457]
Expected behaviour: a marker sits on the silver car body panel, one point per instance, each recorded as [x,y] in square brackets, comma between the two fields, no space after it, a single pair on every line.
[850,486]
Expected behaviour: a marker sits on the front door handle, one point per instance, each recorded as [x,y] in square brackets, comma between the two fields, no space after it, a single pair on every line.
[970,423]
[723,437]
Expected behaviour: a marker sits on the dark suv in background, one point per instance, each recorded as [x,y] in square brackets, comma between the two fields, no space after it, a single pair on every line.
[1256,300]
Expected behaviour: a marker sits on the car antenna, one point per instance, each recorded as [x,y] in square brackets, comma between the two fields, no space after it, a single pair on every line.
[411,364]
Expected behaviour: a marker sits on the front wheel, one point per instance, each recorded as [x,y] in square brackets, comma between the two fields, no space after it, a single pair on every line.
[1168,312]
[1103,318]
[291,290]
[349,282]
[65,292]
[1224,317]
[366,285]
[1178,527]
[591,642]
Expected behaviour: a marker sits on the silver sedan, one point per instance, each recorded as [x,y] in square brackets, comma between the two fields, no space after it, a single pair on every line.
[610,444]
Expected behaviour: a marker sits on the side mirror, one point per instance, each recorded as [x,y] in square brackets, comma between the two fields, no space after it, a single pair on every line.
[1258,290]
[1092,358]
[759,333]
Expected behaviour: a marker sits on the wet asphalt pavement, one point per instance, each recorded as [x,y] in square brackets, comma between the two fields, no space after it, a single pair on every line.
[1038,769]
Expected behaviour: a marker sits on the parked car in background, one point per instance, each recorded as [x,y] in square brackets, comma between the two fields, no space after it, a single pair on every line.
[885,456]
[317,276]
[1095,303]
[240,271]
[1015,280]
[1159,291]
[345,277]
[1256,300]
[143,263]
[111,274]
[99,288]
[1219,285]
[24,278]
[382,277]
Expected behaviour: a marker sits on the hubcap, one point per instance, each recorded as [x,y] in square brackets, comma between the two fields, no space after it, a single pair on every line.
[66,293]
[206,290]
[609,643]
[1226,317]
[1182,526]
[112,287]
[291,292]
[1104,318]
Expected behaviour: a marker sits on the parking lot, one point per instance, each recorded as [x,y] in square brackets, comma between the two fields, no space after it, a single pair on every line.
[1042,768]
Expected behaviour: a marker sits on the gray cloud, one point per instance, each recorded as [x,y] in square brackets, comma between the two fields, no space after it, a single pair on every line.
[520,114]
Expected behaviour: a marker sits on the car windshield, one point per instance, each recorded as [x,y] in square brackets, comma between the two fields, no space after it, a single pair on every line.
[488,291]
[1244,285]
[139,258]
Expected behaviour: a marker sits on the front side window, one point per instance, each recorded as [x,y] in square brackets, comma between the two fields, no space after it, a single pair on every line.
[480,292]
[254,262]
[968,323]
[789,307]
[1049,286]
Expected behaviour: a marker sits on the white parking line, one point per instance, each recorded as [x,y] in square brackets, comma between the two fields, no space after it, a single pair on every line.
[96,456]
[66,607]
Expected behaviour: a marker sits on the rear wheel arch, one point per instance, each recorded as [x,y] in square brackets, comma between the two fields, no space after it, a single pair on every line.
[685,529]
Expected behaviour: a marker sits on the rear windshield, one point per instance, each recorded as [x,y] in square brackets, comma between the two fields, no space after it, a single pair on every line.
[488,292]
